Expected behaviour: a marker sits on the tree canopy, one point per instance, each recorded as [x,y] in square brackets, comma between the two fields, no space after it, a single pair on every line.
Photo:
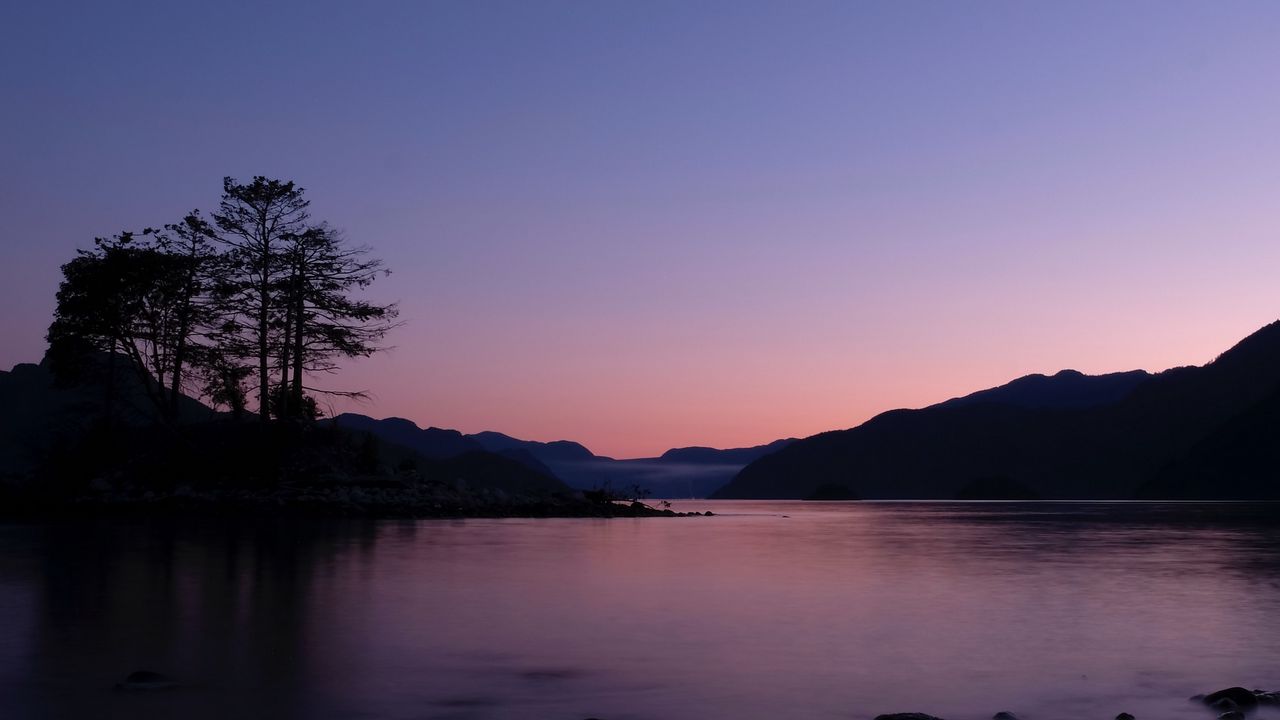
[199,307]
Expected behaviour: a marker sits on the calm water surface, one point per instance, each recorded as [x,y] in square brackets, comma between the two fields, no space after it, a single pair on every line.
[770,610]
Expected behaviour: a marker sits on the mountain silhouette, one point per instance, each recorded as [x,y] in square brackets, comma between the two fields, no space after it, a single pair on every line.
[545,452]
[41,413]
[1240,460]
[45,425]
[1066,389]
[680,472]
[433,443]
[712,456]
[1177,433]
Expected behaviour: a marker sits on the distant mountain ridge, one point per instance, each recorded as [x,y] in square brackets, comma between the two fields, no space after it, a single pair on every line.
[708,455]
[1065,389]
[679,472]
[556,450]
[1066,436]
[432,442]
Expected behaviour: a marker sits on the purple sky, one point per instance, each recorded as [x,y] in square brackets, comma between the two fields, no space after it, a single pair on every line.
[642,225]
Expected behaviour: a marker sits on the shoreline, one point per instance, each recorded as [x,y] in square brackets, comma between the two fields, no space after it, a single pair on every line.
[332,502]
[1228,703]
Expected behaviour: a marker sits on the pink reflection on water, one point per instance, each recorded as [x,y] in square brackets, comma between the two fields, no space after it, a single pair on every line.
[1052,610]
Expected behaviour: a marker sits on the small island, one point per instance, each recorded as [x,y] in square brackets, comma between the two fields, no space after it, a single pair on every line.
[183,375]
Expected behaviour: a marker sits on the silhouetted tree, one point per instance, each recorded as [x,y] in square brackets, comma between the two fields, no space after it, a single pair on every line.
[224,383]
[257,220]
[195,304]
[86,323]
[198,304]
[137,296]
[321,320]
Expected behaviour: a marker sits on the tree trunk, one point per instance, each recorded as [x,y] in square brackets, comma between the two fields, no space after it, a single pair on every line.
[184,330]
[286,408]
[109,402]
[175,382]
[264,377]
[299,323]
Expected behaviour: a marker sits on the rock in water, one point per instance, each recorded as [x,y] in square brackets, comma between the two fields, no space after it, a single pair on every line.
[1231,715]
[906,716]
[147,680]
[1243,699]
[1004,715]
[1124,716]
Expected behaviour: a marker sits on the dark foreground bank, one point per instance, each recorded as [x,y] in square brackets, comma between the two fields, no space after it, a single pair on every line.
[357,500]
[1227,704]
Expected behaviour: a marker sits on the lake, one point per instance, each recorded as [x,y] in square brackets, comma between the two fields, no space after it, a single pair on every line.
[767,610]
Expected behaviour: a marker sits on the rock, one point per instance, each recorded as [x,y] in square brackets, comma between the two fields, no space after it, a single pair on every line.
[1223,704]
[1267,698]
[1124,716]
[709,513]
[906,716]
[147,680]
[1243,699]
[1004,715]
[1231,715]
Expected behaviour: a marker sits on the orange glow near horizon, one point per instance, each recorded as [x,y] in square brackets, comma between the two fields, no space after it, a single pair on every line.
[749,403]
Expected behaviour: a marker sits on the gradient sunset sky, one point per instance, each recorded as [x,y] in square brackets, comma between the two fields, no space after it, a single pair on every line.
[642,225]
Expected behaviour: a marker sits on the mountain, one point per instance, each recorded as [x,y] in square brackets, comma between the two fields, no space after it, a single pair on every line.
[52,441]
[41,414]
[1240,460]
[680,472]
[480,469]
[450,454]
[1067,436]
[434,443]
[712,456]
[555,451]
[1066,389]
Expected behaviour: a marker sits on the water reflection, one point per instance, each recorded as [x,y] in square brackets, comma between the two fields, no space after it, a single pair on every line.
[1053,610]
[223,605]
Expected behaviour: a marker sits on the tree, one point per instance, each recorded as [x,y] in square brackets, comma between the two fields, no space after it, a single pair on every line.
[198,304]
[88,321]
[321,320]
[256,221]
[136,296]
[224,383]
[192,304]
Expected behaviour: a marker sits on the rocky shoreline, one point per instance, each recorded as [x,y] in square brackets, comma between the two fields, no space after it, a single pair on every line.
[365,498]
[1227,704]
[1230,703]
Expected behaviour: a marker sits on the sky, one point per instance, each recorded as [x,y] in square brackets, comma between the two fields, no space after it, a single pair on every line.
[642,225]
